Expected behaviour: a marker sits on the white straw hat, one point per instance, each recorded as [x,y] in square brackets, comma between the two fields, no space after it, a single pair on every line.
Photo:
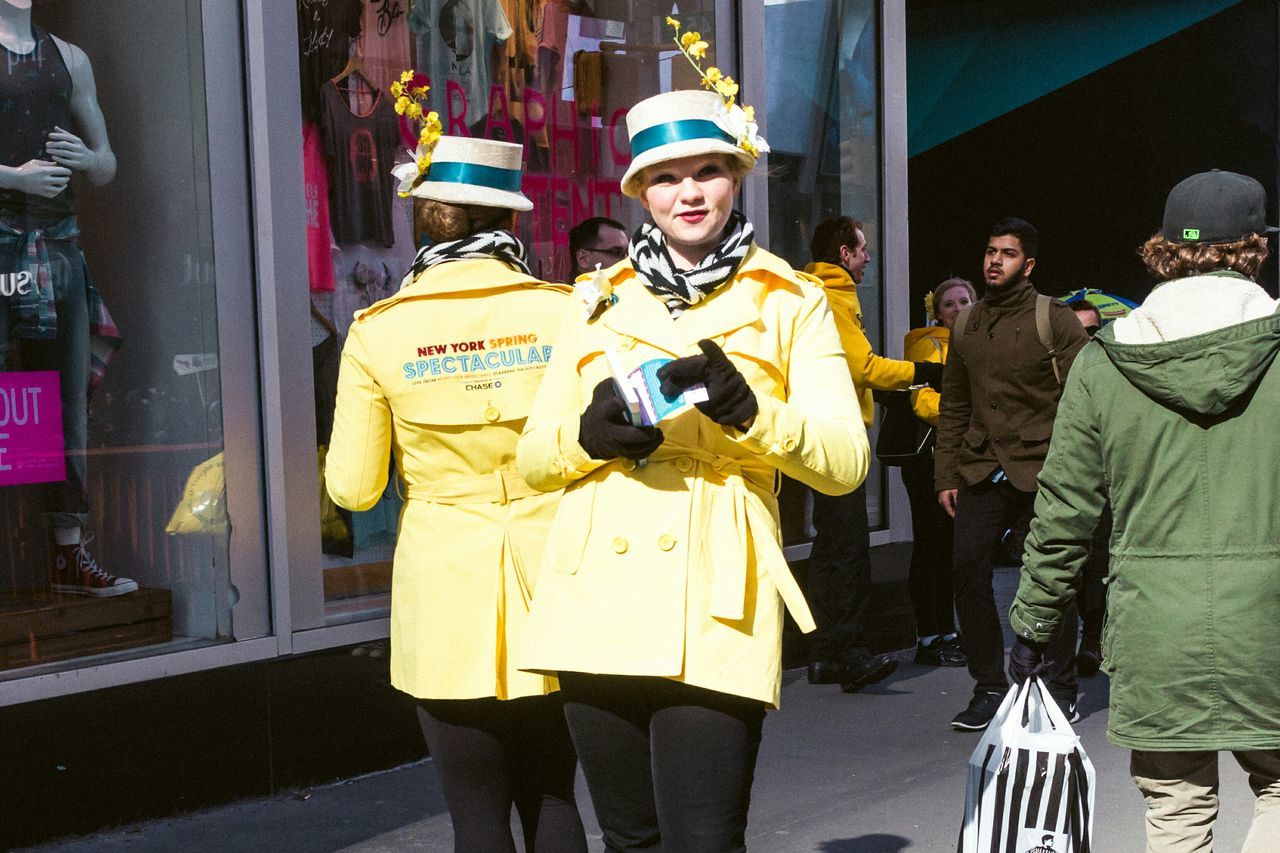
[475,171]
[678,124]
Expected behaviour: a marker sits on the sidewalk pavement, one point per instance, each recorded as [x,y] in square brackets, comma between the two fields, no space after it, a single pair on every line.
[875,772]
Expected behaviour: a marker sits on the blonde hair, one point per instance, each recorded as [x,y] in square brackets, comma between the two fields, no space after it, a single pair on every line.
[442,221]
[933,297]
[1168,260]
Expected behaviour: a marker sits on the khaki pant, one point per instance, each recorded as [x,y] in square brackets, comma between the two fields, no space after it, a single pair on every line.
[1181,790]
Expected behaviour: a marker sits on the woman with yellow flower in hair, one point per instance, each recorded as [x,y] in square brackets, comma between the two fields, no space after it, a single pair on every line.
[660,599]
[441,376]
[929,579]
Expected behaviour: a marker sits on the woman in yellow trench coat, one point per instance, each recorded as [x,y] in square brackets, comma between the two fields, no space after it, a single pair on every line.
[442,376]
[661,593]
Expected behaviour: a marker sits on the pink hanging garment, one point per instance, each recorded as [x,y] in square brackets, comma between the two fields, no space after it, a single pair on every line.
[315,180]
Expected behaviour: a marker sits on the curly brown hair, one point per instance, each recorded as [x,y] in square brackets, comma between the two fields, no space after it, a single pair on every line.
[1168,260]
[442,221]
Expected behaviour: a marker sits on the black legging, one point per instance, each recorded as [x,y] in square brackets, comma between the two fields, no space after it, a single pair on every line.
[492,754]
[932,595]
[669,766]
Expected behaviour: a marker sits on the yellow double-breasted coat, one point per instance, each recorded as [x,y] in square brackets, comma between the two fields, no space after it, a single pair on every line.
[442,375]
[674,567]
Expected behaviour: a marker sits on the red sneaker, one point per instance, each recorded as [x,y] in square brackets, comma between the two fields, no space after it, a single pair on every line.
[76,572]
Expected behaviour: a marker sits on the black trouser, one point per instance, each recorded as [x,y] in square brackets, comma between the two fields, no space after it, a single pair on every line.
[839,577]
[492,754]
[1093,595]
[929,580]
[983,513]
[669,766]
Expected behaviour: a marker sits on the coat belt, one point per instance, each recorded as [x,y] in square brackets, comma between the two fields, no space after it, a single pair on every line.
[500,487]
[734,536]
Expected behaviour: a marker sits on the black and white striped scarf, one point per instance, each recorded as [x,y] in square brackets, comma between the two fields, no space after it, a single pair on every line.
[502,245]
[678,289]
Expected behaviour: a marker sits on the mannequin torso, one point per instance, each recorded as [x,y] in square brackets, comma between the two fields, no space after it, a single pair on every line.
[47,176]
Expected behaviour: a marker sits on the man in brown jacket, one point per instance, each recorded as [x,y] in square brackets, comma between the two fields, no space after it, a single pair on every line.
[1000,392]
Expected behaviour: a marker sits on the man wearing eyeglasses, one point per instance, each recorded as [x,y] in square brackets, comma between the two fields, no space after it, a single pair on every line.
[598,240]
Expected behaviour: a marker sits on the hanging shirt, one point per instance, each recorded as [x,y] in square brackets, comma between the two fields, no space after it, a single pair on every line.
[361,150]
[315,181]
[384,41]
[325,31]
[455,40]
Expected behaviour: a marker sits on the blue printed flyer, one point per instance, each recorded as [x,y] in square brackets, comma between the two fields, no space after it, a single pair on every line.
[642,391]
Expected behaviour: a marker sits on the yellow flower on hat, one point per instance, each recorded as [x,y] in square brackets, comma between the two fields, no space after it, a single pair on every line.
[409,103]
[736,120]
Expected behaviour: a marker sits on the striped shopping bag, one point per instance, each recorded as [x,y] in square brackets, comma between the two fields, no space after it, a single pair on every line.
[1031,785]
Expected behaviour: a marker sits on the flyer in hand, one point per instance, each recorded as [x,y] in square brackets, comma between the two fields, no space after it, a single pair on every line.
[642,391]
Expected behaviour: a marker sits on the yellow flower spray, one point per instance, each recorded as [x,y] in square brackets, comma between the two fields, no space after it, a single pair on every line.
[409,103]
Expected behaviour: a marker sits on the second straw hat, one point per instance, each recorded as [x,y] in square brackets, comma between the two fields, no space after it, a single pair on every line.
[484,172]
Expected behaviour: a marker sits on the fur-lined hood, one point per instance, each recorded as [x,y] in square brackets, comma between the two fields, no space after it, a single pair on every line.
[1197,344]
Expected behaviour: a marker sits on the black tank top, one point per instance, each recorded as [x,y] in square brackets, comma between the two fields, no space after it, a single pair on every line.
[35,95]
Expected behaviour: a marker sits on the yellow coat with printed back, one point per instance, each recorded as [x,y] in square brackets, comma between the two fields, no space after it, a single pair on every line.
[674,567]
[870,372]
[442,375]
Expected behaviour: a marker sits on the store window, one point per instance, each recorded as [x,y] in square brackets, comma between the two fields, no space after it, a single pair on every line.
[823,122]
[556,76]
[112,492]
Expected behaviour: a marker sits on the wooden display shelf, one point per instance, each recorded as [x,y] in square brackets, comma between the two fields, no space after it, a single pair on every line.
[39,626]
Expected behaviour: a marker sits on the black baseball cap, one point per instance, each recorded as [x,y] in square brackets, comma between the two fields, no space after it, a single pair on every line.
[1216,207]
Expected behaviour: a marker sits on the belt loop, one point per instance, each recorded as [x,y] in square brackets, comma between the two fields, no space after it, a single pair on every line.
[502,488]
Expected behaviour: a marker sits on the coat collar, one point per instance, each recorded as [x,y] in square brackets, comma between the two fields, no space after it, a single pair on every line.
[454,277]
[641,315]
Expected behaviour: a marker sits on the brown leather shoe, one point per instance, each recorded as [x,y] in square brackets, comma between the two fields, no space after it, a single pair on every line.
[75,572]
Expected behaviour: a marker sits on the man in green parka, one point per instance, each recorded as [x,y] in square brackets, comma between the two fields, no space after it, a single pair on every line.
[1172,417]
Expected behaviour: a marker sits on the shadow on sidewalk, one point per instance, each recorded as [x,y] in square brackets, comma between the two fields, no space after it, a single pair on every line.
[876,843]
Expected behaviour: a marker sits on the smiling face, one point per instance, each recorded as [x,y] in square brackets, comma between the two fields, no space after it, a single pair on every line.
[954,299]
[690,200]
[1005,262]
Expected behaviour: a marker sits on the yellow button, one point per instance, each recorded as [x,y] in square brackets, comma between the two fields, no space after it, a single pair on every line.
[666,542]
[628,464]
[491,414]
[684,464]
[627,342]
[619,545]
[789,444]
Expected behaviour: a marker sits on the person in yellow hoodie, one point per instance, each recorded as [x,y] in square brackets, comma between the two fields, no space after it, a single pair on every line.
[442,376]
[660,598]
[929,579]
[839,577]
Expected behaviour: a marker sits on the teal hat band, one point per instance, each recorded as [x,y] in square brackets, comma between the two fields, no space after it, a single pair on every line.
[677,131]
[506,180]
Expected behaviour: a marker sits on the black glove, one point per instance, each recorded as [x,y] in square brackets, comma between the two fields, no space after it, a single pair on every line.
[928,373]
[605,429]
[1026,660]
[730,400]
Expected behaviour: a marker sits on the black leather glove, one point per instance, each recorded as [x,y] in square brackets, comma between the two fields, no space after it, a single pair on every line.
[605,430]
[730,400]
[1026,660]
[928,373]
